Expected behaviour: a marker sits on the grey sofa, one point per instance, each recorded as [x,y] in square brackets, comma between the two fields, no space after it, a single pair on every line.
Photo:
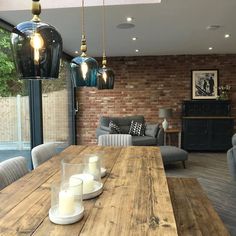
[154,134]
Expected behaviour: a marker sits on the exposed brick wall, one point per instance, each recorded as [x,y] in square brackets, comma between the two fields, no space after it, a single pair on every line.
[144,84]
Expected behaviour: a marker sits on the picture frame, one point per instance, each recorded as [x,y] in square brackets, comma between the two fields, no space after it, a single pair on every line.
[204,84]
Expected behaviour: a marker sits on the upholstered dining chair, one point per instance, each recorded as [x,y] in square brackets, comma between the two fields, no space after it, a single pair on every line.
[234,140]
[42,153]
[231,160]
[11,170]
[115,140]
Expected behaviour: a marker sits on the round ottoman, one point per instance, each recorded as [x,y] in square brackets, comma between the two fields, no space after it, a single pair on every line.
[172,154]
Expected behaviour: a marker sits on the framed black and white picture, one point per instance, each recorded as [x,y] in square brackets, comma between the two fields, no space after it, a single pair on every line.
[204,84]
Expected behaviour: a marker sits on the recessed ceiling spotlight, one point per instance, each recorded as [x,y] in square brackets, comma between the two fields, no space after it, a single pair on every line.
[76,52]
[136,50]
[129,19]
[210,48]
[227,36]
[134,38]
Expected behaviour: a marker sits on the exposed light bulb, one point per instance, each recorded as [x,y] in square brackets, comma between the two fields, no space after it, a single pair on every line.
[36,43]
[84,69]
[104,76]
[227,36]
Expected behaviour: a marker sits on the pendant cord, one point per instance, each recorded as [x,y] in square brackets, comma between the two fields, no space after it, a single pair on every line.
[103,31]
[82,17]
[103,35]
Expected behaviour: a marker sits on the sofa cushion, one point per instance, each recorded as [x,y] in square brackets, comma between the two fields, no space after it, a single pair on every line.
[151,130]
[121,121]
[136,128]
[124,129]
[143,141]
[108,129]
[114,128]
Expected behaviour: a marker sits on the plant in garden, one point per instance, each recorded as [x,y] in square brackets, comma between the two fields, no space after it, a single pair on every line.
[9,84]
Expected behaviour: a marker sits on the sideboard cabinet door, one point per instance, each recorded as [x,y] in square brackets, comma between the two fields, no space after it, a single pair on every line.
[195,134]
[221,134]
[207,134]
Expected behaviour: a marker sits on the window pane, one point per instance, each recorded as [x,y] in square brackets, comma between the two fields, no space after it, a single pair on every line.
[56,106]
[14,106]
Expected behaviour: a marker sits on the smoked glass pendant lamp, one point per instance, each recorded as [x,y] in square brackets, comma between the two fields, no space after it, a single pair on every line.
[106,76]
[37,48]
[84,69]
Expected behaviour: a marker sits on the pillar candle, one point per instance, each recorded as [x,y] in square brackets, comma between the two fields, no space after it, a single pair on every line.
[88,182]
[93,166]
[66,203]
[75,184]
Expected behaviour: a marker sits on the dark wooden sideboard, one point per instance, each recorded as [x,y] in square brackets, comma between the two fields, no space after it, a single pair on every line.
[207,125]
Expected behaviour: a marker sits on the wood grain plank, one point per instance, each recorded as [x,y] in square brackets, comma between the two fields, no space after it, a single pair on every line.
[136,199]
[110,154]
[132,202]
[194,212]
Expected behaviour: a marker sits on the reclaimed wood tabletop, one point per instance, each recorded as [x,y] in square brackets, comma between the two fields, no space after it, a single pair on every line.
[135,198]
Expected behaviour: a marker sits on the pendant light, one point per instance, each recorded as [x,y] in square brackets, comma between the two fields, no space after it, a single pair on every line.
[83,68]
[106,75]
[37,47]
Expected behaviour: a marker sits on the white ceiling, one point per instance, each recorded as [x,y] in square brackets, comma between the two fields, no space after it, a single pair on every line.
[169,28]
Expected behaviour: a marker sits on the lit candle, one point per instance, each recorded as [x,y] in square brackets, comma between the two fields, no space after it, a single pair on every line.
[66,203]
[75,184]
[92,165]
[88,183]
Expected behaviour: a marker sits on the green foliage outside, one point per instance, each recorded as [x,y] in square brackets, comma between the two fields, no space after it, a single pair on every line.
[9,85]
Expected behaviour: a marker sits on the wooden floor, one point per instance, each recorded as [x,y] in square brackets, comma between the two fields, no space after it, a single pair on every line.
[212,173]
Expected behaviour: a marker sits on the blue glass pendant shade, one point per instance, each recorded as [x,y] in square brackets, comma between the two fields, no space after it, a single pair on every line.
[84,71]
[108,81]
[39,59]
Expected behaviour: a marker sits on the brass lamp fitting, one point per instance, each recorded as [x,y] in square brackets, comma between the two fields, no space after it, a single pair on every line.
[104,61]
[36,10]
[83,46]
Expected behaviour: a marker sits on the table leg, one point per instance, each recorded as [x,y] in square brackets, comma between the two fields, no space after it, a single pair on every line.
[179,139]
[164,139]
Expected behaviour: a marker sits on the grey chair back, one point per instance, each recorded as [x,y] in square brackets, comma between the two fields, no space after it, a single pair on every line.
[11,170]
[234,140]
[42,153]
[115,140]
[231,160]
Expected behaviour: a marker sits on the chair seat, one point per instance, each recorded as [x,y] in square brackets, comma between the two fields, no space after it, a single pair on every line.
[144,141]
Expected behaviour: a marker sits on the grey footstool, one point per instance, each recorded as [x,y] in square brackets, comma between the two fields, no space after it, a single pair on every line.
[172,154]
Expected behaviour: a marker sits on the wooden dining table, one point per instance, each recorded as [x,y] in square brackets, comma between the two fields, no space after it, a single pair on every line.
[135,198]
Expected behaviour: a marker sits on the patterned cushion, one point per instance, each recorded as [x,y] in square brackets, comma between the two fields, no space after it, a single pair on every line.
[115,129]
[136,129]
